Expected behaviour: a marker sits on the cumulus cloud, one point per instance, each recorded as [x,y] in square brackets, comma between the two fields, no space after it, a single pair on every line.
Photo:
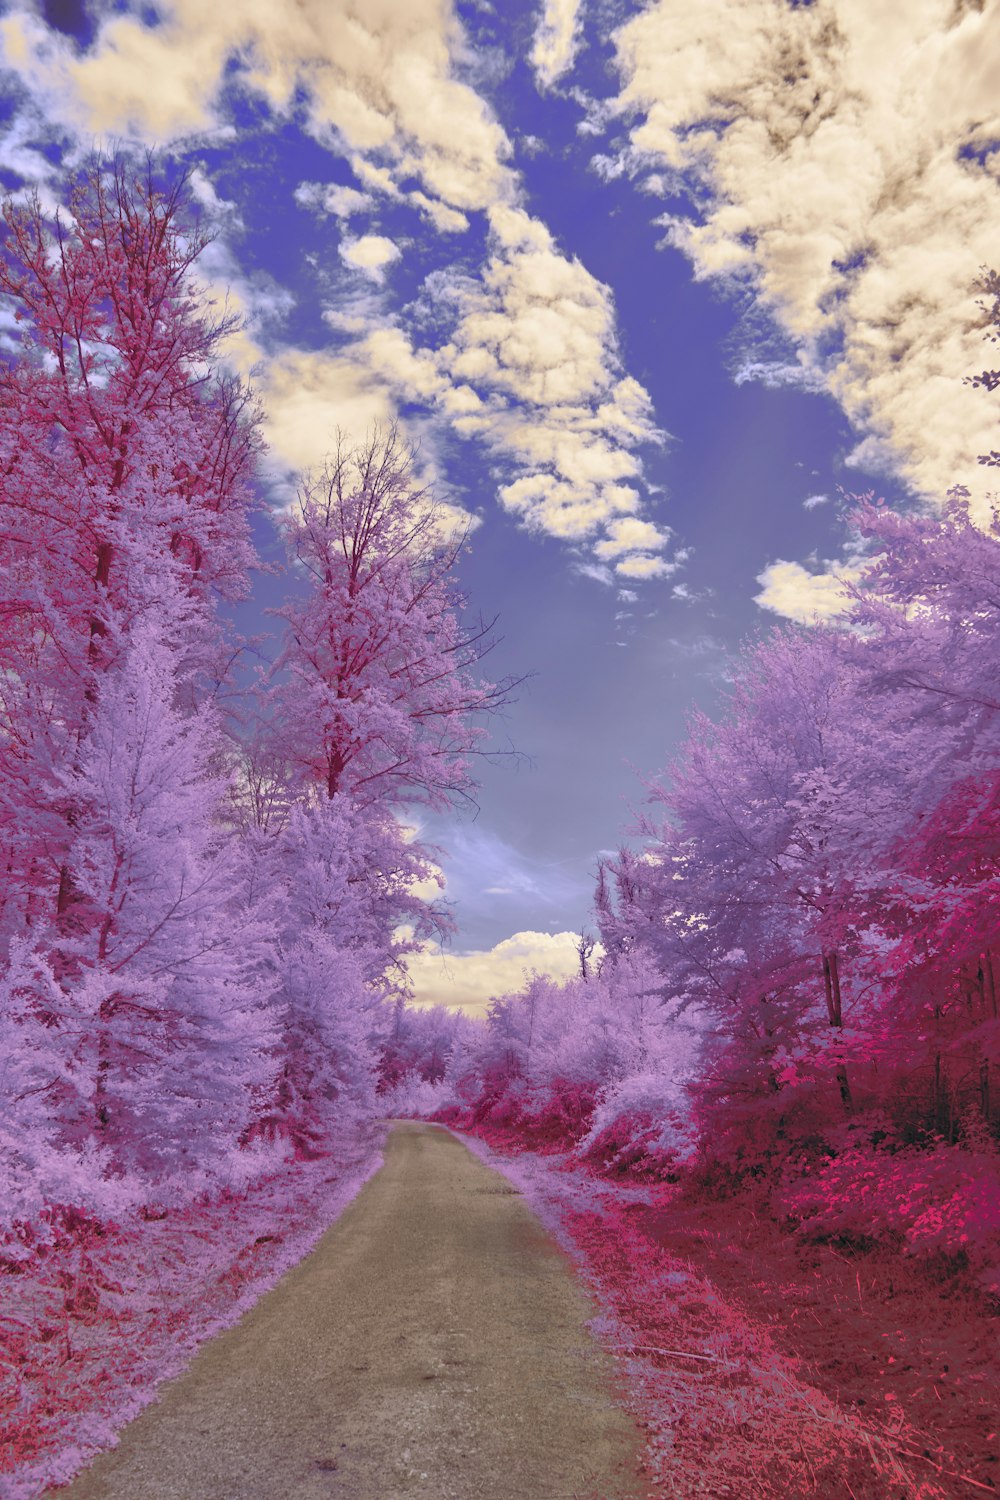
[530,367]
[630,535]
[306,395]
[468,981]
[333,198]
[843,157]
[640,565]
[790,590]
[813,502]
[556,40]
[369,253]
[376,79]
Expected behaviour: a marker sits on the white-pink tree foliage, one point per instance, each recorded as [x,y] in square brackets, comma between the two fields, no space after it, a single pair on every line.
[132,1015]
[374,707]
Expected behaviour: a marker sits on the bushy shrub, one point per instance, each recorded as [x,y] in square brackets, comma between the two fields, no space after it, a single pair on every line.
[939,1203]
[640,1129]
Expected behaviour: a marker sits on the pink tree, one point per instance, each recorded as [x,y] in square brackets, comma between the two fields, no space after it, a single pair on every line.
[340,884]
[125,470]
[378,698]
[928,609]
[767,809]
[154,1036]
[374,706]
[126,462]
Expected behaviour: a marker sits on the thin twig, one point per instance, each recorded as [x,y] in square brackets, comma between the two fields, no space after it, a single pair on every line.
[715,1359]
[949,1473]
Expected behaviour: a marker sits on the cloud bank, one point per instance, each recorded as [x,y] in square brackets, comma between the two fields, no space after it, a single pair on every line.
[468,981]
[843,159]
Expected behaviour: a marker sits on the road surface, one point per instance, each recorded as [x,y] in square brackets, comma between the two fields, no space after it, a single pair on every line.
[431,1345]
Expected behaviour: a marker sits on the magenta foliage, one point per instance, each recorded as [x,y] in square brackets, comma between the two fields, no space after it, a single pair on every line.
[373,706]
[127,464]
[202,942]
[815,908]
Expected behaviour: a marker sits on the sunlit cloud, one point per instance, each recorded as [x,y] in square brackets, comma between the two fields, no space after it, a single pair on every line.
[844,160]
[557,39]
[530,368]
[630,535]
[377,80]
[307,396]
[792,591]
[369,254]
[333,198]
[468,981]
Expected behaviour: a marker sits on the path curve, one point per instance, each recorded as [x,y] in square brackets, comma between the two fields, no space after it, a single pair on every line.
[432,1344]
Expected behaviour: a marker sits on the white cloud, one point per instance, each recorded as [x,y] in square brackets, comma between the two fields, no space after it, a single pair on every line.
[333,198]
[641,566]
[370,254]
[307,395]
[597,571]
[833,147]
[629,534]
[21,157]
[813,502]
[468,981]
[790,590]
[557,39]
[775,374]
[375,79]
[531,368]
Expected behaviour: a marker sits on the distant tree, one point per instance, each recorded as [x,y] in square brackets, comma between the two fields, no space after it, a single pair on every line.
[376,693]
[339,882]
[585,945]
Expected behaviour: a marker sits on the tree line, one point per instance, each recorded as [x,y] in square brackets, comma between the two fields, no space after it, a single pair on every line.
[207,892]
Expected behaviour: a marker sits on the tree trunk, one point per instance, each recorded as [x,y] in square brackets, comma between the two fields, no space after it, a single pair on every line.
[68,895]
[990,985]
[835,1014]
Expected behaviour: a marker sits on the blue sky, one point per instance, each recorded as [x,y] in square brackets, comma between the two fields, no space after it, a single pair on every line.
[649,284]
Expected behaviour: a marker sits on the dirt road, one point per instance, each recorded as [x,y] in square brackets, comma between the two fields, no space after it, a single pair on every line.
[432,1344]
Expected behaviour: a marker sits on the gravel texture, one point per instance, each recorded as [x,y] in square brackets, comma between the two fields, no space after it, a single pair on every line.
[432,1344]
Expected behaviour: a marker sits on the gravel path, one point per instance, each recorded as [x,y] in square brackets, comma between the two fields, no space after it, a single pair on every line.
[432,1344]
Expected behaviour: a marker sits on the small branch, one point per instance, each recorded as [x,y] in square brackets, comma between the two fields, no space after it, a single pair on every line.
[715,1359]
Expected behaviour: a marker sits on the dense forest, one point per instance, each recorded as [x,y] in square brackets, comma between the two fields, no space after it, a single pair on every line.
[202,887]
[798,977]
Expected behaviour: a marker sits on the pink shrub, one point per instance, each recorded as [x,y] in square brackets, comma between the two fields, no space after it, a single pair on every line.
[944,1202]
[559,1115]
[631,1146]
